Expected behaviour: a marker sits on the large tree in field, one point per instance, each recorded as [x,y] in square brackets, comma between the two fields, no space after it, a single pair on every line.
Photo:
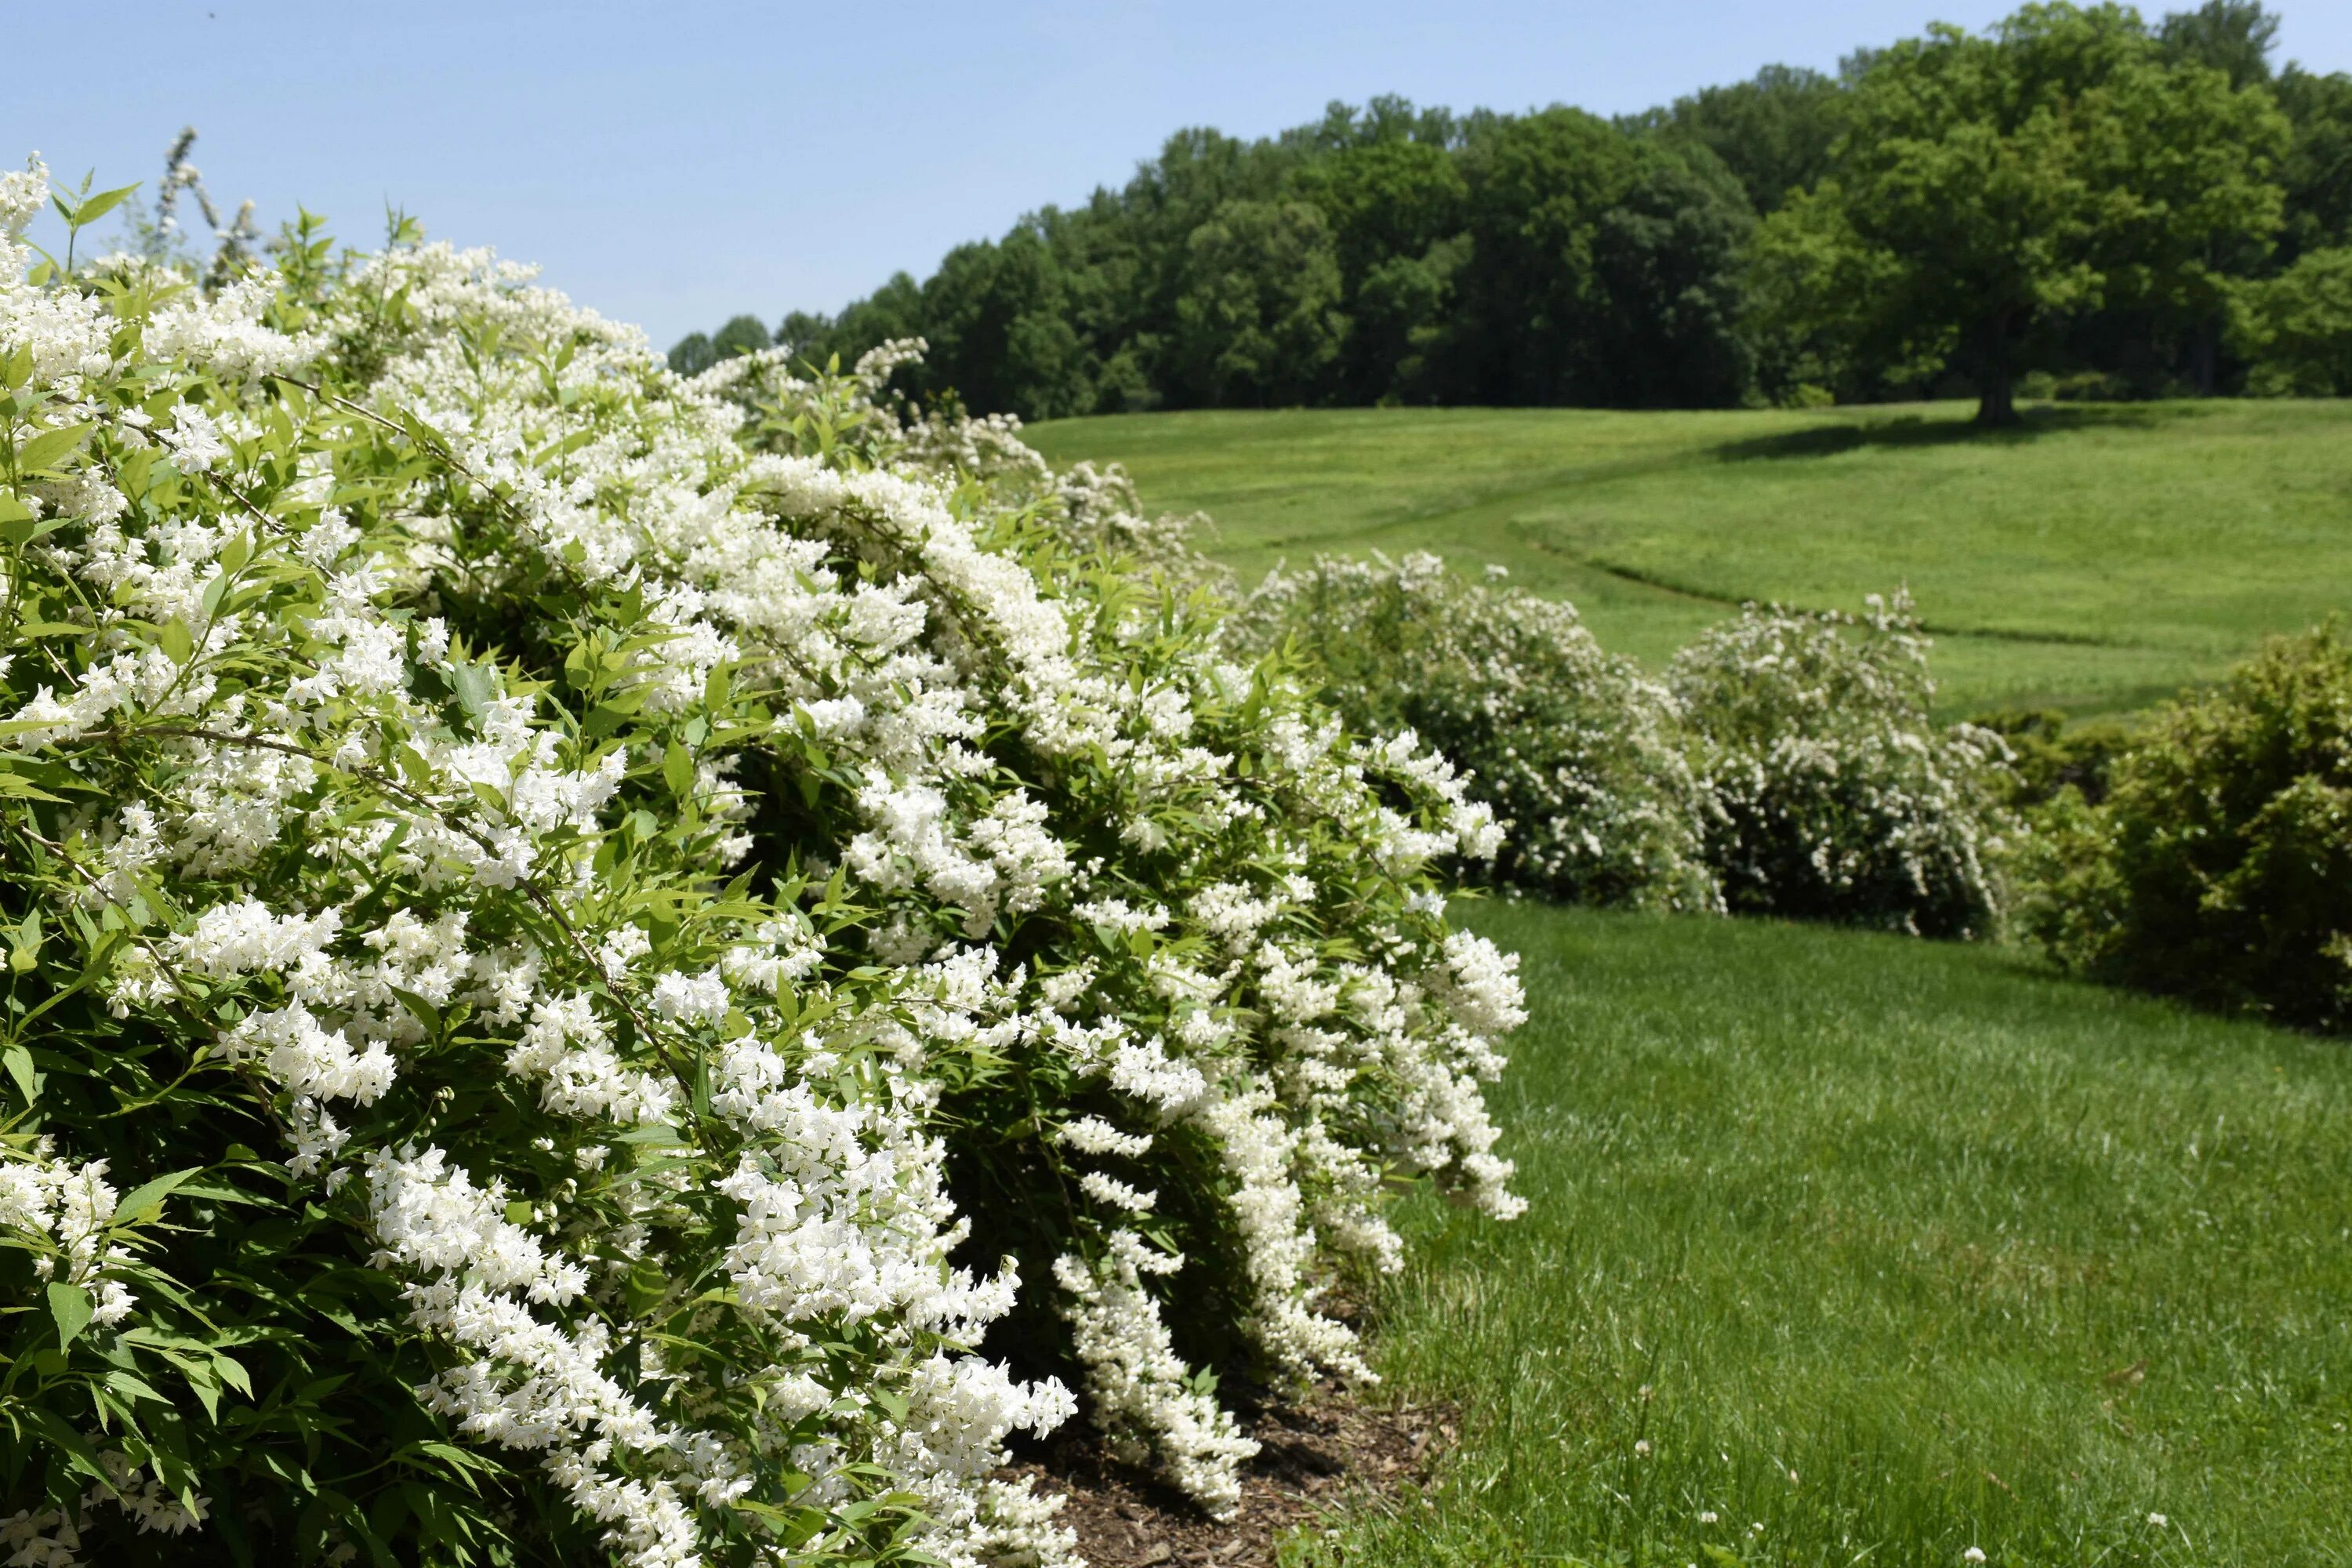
[1989,184]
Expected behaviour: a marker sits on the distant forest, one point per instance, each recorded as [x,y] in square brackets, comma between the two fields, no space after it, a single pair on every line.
[2073,203]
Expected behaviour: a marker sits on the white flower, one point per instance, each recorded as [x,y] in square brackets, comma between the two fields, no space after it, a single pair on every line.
[193,438]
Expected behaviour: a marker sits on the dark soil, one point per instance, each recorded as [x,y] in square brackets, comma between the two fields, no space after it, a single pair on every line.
[1313,1456]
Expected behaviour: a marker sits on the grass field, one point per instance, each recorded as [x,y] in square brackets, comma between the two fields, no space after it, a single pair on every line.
[1891,1248]
[2095,560]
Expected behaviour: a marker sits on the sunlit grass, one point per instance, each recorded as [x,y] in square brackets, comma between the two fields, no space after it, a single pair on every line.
[1891,1249]
[2097,560]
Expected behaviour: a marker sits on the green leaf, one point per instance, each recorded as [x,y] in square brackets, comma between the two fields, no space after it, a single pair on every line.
[645,1286]
[76,1447]
[49,446]
[24,944]
[678,770]
[70,1305]
[95,207]
[19,1063]
[232,1373]
[424,1012]
[22,789]
[176,641]
[132,1209]
[23,531]
[473,684]
[134,1385]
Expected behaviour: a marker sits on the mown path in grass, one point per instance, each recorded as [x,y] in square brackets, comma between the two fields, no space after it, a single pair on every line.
[2095,560]
[1891,1248]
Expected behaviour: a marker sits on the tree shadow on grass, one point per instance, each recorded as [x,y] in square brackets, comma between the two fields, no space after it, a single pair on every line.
[1913,430]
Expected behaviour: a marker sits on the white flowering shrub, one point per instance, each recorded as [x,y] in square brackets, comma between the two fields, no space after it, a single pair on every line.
[1834,796]
[1577,750]
[593,956]
[1091,509]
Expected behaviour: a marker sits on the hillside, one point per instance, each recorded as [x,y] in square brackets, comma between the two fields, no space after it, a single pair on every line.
[1876,1251]
[2096,558]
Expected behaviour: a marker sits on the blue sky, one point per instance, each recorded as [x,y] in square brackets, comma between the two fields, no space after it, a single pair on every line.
[673,162]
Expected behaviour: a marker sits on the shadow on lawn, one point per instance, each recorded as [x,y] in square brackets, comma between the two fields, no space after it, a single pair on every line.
[1918,430]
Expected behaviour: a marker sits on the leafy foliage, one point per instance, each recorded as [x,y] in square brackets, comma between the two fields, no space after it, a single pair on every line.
[1985,186]
[2317,171]
[2075,191]
[2296,328]
[2216,868]
[1257,319]
[1601,270]
[1389,253]
[1775,132]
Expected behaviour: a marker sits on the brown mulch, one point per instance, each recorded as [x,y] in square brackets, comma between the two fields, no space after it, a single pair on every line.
[1313,1455]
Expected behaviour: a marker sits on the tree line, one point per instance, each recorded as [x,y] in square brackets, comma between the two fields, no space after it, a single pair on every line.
[2074,202]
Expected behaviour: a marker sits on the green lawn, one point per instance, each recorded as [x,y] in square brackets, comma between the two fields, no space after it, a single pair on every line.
[2096,560]
[1890,1247]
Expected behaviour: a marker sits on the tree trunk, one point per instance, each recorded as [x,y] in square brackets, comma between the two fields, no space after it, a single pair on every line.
[1996,388]
[1996,396]
[2204,357]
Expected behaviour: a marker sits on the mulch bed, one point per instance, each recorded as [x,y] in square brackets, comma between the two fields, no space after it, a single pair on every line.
[1313,1456]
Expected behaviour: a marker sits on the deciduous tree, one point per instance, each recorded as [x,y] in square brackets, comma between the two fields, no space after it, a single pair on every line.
[1988,183]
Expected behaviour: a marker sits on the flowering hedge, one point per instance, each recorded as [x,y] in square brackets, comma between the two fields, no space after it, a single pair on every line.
[1579,753]
[1787,764]
[1835,795]
[577,937]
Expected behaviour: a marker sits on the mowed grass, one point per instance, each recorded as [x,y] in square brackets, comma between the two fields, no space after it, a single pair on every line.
[2096,560]
[1885,1249]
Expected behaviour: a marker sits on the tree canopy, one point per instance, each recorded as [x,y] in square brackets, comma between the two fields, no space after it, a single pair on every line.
[2076,196]
[1988,183]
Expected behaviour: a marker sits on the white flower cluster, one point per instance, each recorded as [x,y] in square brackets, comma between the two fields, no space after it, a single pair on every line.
[662,838]
[1576,749]
[62,1211]
[1835,794]
[1786,764]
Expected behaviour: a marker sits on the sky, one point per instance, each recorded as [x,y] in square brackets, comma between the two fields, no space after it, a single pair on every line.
[672,163]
